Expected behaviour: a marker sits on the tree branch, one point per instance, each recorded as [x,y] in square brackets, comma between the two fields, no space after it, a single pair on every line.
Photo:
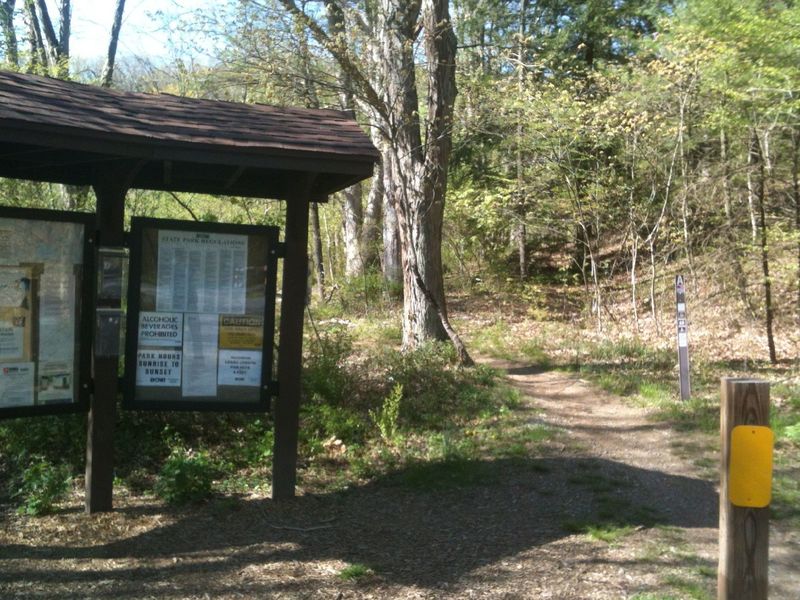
[183,205]
[338,49]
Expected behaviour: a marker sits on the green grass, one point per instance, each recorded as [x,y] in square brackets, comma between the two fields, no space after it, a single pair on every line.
[693,589]
[493,341]
[533,351]
[785,496]
[611,533]
[355,572]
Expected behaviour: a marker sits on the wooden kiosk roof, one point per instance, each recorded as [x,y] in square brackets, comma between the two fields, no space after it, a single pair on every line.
[65,132]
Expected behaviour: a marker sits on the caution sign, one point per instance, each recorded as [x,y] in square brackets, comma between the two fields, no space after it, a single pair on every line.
[241,332]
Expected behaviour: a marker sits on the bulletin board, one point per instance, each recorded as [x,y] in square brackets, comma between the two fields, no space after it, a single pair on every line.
[46,314]
[201,316]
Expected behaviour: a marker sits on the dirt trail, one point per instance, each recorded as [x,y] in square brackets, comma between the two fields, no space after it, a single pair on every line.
[605,427]
[518,530]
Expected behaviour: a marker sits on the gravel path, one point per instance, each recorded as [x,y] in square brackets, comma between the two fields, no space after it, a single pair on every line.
[520,530]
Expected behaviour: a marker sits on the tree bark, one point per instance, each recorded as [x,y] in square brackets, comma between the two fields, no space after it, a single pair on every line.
[796,200]
[352,217]
[757,157]
[352,210]
[371,232]
[108,69]
[316,243]
[35,39]
[392,265]
[521,233]
[417,164]
[736,258]
[9,33]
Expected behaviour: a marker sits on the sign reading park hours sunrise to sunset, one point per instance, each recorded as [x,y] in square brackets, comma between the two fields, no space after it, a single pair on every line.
[201,316]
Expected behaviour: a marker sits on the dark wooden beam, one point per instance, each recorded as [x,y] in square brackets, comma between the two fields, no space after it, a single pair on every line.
[167,172]
[237,173]
[111,185]
[290,349]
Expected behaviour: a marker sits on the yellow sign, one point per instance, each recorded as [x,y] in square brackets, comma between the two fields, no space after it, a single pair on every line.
[750,474]
[241,332]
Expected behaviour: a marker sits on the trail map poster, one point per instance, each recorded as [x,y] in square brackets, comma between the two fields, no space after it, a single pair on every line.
[42,279]
[200,315]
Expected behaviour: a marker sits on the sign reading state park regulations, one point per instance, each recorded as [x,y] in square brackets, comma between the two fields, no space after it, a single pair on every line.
[201,309]
[41,287]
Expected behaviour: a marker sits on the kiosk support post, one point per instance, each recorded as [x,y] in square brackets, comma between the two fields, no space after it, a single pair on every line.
[110,190]
[290,348]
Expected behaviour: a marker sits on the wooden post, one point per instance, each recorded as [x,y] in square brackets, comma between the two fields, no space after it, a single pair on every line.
[110,189]
[290,346]
[743,532]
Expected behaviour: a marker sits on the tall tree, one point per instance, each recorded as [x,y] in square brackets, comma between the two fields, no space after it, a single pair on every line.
[352,211]
[417,138]
[48,48]
[10,48]
[111,55]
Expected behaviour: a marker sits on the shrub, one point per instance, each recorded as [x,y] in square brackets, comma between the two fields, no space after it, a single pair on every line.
[436,390]
[326,376]
[43,485]
[386,419]
[324,421]
[186,476]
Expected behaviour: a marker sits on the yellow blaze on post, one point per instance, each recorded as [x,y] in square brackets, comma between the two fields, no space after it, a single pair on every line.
[750,481]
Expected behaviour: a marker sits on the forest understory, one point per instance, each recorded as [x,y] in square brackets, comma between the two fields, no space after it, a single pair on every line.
[580,474]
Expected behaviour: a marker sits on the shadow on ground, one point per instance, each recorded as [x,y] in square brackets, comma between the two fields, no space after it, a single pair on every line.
[425,526]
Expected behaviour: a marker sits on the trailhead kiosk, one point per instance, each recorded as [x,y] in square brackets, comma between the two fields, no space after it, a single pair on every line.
[201,312]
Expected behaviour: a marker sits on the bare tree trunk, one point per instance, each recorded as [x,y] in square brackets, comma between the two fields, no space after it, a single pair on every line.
[597,304]
[371,232]
[352,211]
[634,264]
[108,69]
[332,246]
[316,241]
[688,242]
[392,266]
[653,307]
[35,38]
[757,157]
[417,138]
[9,33]
[736,255]
[521,233]
[521,236]
[751,196]
[54,47]
[796,199]
[352,217]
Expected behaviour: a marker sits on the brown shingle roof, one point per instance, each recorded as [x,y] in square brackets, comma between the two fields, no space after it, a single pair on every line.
[38,113]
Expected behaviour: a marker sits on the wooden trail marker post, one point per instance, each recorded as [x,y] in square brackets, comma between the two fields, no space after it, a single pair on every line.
[745,483]
[683,337]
